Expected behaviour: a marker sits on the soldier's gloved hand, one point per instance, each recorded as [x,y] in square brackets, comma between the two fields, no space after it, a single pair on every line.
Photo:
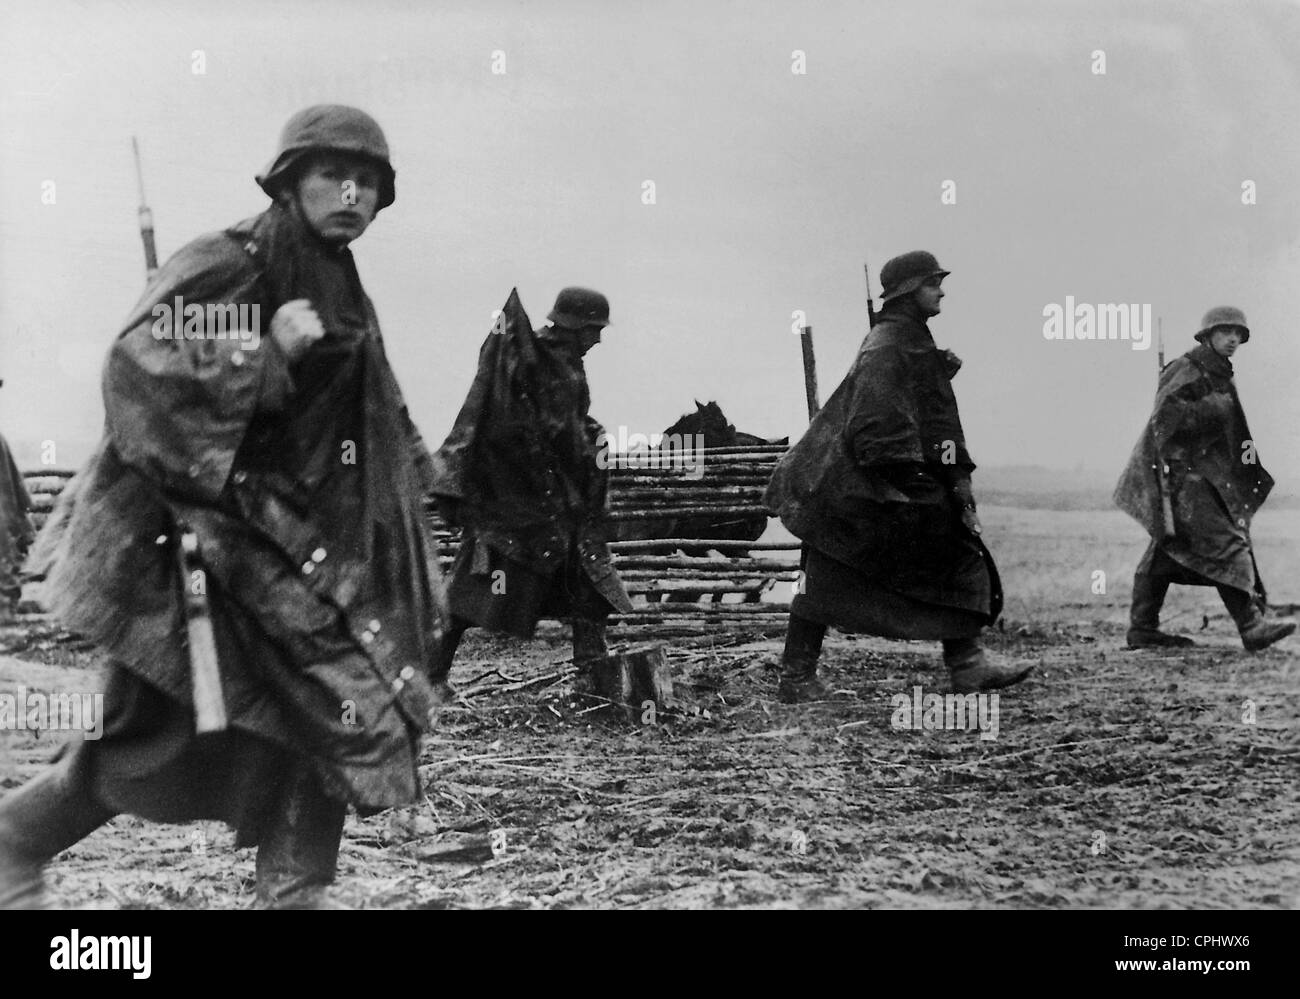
[295,327]
[1214,409]
[951,363]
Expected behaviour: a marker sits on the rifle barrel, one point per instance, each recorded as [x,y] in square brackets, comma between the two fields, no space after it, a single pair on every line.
[146,218]
[1160,344]
[871,306]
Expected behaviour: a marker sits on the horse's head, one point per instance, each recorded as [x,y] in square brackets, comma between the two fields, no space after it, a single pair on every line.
[707,421]
[713,425]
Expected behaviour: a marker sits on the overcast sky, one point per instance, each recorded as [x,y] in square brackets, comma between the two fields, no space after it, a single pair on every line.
[771,189]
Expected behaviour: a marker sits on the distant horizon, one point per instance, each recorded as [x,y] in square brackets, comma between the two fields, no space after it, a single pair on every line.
[1078,479]
[720,171]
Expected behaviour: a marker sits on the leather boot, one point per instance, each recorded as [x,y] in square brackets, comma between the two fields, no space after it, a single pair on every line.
[589,649]
[45,816]
[1144,617]
[803,647]
[973,669]
[1257,631]
[298,852]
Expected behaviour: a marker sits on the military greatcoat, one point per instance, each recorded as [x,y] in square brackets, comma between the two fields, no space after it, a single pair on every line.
[15,528]
[303,482]
[870,490]
[521,469]
[1197,430]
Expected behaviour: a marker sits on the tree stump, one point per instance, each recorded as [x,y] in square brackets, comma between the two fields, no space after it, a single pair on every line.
[631,678]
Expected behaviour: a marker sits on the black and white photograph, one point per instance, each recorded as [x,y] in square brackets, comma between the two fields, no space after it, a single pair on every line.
[671,456]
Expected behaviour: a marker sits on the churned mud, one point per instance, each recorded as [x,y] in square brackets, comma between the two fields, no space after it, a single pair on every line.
[1111,778]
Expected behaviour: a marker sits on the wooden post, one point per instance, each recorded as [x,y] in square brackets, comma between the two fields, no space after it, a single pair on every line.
[809,371]
[631,678]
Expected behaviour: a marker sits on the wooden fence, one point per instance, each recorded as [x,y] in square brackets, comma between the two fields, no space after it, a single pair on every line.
[679,585]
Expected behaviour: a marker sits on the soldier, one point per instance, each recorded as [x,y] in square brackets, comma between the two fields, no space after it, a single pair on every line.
[1194,482]
[879,490]
[15,532]
[520,473]
[298,470]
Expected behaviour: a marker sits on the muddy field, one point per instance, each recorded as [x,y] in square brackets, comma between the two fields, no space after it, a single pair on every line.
[1116,778]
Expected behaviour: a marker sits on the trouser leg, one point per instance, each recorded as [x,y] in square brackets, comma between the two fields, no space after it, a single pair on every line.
[45,816]
[298,853]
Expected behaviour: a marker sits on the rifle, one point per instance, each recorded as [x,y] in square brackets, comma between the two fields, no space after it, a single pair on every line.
[146,220]
[205,671]
[1162,470]
[809,371]
[871,306]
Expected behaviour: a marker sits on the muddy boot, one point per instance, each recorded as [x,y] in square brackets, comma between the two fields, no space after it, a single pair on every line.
[974,670]
[1144,617]
[299,849]
[45,816]
[1257,631]
[803,647]
[589,649]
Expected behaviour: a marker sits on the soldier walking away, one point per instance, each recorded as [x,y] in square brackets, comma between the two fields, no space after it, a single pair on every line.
[1194,482]
[15,532]
[879,490]
[297,470]
[519,472]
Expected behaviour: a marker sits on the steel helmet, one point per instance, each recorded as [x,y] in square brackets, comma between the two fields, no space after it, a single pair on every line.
[1223,315]
[579,307]
[333,128]
[904,274]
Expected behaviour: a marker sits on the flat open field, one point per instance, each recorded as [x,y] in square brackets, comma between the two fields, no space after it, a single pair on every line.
[1116,778]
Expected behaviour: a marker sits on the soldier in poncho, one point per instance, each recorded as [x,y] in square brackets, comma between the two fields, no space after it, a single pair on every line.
[879,490]
[288,452]
[15,532]
[1194,482]
[522,473]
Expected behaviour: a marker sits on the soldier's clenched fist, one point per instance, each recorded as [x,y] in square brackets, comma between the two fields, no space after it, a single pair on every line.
[295,327]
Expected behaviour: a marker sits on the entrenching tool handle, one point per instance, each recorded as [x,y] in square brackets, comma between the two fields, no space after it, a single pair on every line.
[205,672]
[1166,502]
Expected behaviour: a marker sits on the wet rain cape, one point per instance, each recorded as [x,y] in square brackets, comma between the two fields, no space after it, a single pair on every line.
[304,484]
[15,527]
[1198,429]
[868,489]
[521,465]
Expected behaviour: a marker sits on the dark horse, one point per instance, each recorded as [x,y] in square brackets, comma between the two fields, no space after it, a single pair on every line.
[707,427]
[711,430]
